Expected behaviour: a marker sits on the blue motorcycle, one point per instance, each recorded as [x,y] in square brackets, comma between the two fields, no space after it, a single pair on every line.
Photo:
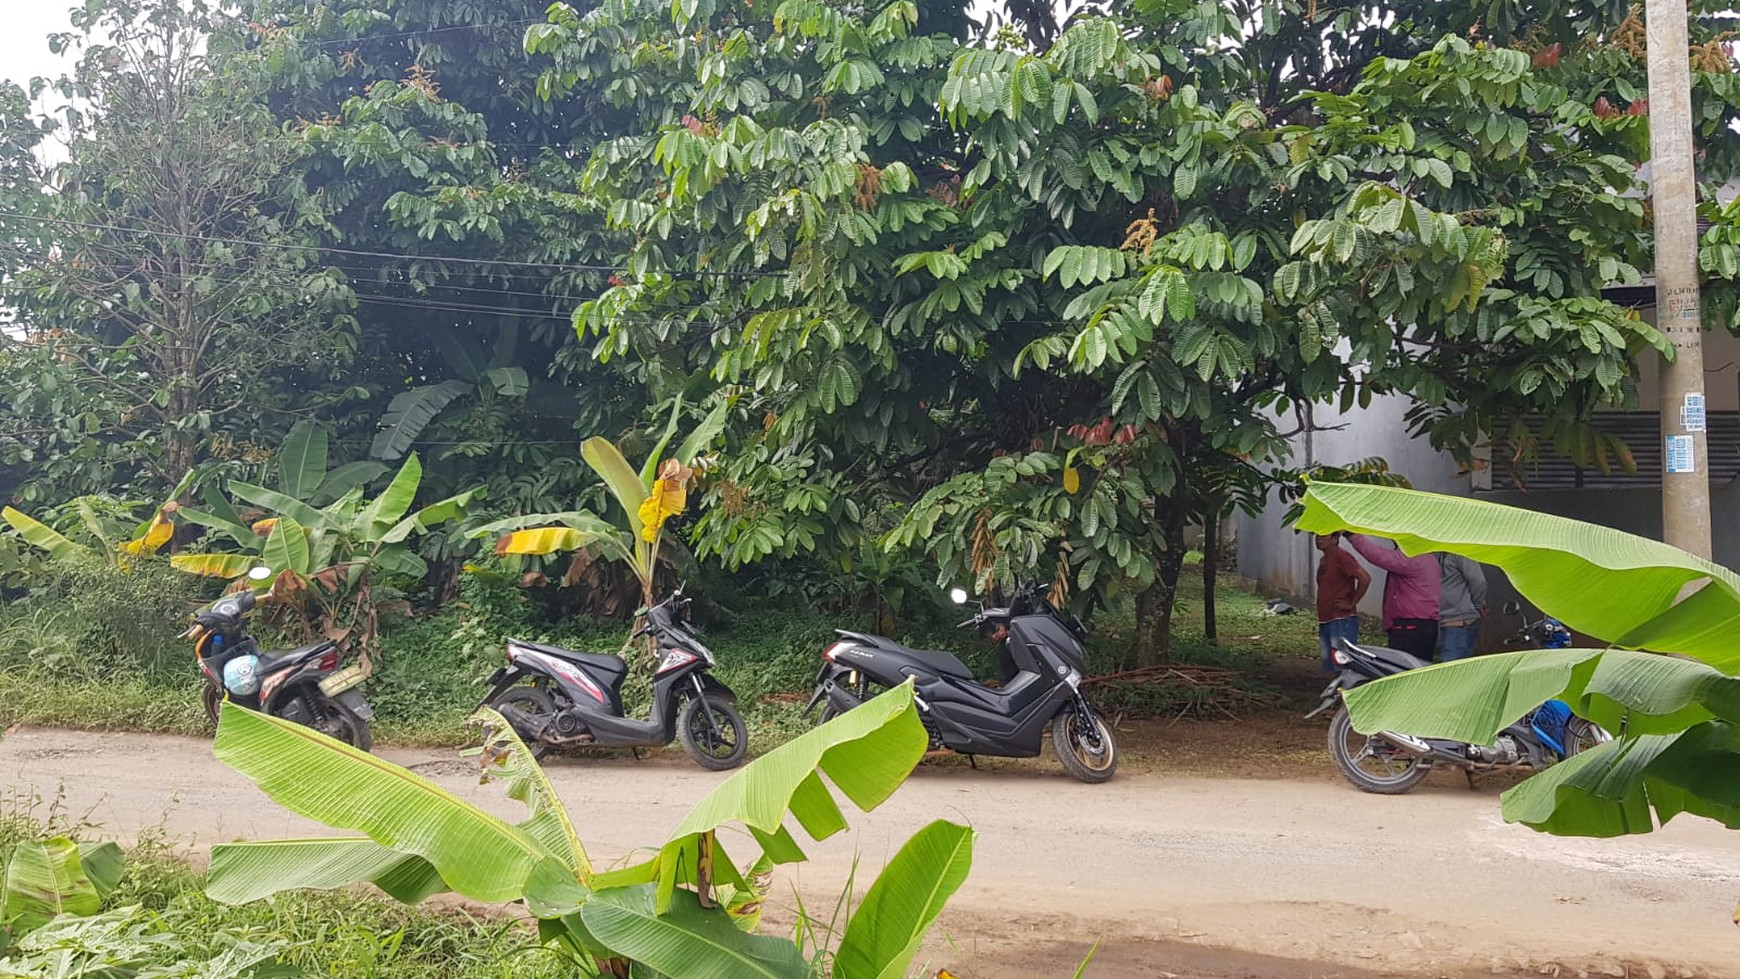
[1390,763]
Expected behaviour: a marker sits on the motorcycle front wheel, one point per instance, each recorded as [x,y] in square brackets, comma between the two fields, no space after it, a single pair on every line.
[1370,764]
[713,733]
[1085,745]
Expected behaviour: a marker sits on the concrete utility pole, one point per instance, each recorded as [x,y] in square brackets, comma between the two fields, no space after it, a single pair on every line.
[1685,481]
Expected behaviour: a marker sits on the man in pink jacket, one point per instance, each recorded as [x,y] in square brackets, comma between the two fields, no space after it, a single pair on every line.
[1411,590]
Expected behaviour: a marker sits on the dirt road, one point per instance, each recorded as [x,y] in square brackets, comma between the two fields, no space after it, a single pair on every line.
[1177,876]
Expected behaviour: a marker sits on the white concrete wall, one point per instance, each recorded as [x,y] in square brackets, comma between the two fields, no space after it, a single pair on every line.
[1284,561]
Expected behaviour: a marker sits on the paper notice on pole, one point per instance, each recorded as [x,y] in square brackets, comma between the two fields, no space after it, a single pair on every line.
[1679,458]
[1692,416]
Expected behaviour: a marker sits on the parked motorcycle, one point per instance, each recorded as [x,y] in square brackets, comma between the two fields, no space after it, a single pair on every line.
[561,698]
[1389,763]
[301,685]
[1042,659]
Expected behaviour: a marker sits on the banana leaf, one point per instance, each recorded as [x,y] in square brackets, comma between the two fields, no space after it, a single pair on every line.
[278,503]
[45,878]
[39,534]
[625,484]
[1617,587]
[685,939]
[287,547]
[390,507]
[410,412]
[885,932]
[431,516]
[302,461]
[867,753]
[1631,785]
[1472,700]
[214,565]
[243,872]
[478,855]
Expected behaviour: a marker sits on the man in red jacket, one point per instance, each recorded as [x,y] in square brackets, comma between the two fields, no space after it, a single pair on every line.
[1410,595]
[1341,583]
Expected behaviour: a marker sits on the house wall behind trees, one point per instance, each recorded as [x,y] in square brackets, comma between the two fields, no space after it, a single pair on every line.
[1283,562]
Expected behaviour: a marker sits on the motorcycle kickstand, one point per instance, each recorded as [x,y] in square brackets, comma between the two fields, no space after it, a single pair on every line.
[973,760]
[1469,773]
[636,753]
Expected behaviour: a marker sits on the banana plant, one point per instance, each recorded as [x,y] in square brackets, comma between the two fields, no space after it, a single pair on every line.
[648,498]
[687,910]
[43,879]
[322,558]
[1664,684]
[412,410]
[104,521]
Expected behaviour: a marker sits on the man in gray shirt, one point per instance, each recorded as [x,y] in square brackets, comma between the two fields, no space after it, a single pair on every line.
[1461,606]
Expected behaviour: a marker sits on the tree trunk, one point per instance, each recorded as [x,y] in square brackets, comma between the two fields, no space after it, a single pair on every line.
[1210,571]
[1154,606]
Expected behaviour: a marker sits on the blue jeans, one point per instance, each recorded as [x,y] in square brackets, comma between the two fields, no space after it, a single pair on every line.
[1458,641]
[1329,632]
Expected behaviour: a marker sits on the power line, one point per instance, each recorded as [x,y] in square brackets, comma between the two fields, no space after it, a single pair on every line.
[333,42]
[362,253]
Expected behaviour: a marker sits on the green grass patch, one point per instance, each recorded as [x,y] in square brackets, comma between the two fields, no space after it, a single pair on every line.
[352,934]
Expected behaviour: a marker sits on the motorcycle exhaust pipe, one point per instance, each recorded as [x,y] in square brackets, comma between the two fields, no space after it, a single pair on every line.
[1406,742]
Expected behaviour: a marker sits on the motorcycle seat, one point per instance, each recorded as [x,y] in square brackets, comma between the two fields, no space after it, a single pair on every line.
[273,658]
[946,663]
[1394,660]
[610,664]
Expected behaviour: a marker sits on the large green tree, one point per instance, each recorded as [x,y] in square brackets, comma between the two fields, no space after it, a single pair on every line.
[1057,293]
[163,268]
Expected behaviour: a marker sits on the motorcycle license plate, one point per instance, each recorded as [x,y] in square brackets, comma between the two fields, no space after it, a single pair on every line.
[341,681]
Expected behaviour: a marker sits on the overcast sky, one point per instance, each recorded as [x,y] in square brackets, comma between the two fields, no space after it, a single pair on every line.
[24,29]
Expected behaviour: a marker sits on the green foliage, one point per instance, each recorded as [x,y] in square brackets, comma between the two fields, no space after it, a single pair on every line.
[324,560]
[1675,720]
[662,913]
[41,880]
[158,922]
[647,500]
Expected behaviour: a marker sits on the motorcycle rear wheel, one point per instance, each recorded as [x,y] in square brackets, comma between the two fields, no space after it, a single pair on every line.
[1396,773]
[535,704]
[350,728]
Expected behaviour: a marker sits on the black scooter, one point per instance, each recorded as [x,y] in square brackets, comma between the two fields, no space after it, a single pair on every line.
[304,686]
[1391,763]
[1042,660]
[560,698]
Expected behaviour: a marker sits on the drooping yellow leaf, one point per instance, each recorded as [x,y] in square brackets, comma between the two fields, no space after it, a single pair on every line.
[1071,480]
[264,527]
[668,498]
[154,537]
[214,565]
[542,540]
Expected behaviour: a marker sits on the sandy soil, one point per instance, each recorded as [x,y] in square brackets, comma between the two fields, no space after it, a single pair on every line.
[1175,875]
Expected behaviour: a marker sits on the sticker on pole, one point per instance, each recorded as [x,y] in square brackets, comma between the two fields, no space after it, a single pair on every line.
[1679,458]
[1692,416]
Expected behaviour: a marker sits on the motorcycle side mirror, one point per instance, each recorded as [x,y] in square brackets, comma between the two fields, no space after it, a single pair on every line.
[958,596]
[259,573]
[1512,608]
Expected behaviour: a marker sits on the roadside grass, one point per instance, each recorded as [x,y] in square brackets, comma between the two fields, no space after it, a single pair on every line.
[352,933]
